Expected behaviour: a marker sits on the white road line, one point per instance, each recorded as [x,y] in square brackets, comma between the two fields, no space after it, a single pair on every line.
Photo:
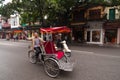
[87,52]
[95,54]
[14,45]
[78,51]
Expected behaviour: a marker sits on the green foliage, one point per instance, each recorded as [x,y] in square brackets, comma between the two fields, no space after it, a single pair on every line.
[7,10]
[1,1]
[106,2]
[35,10]
[114,2]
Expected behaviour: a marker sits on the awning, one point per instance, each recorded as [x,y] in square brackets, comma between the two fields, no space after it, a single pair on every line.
[17,31]
[61,29]
[111,25]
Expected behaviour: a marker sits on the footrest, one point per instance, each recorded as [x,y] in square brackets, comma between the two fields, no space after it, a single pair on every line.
[66,66]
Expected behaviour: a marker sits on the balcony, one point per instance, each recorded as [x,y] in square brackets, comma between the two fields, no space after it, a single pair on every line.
[95,14]
[78,16]
[97,17]
[79,19]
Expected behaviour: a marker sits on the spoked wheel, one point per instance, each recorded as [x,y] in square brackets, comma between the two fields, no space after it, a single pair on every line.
[51,67]
[32,57]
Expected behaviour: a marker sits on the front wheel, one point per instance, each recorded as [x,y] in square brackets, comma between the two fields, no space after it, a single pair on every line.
[32,57]
[51,67]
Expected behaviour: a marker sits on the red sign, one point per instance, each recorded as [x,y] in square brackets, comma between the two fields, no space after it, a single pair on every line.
[6,25]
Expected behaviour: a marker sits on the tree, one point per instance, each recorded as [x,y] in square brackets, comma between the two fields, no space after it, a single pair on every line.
[6,10]
[106,2]
[37,9]
[32,10]
[59,11]
[1,1]
[114,2]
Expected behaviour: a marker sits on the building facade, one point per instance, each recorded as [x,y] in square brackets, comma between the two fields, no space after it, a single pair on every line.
[78,23]
[112,25]
[96,24]
[95,20]
[15,21]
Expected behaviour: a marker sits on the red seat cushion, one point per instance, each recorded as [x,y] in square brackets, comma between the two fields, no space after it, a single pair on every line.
[50,49]
[60,54]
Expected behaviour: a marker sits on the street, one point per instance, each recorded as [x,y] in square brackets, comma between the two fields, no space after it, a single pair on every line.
[91,63]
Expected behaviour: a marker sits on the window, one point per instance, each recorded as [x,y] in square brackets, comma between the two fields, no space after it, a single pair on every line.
[78,15]
[95,14]
[88,36]
[110,35]
[112,14]
[95,36]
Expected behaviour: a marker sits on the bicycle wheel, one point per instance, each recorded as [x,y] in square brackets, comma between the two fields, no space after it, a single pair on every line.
[32,57]
[51,67]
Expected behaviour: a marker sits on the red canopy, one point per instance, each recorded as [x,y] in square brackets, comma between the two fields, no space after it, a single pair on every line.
[61,29]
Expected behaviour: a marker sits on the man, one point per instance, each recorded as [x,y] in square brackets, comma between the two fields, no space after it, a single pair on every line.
[36,41]
[58,43]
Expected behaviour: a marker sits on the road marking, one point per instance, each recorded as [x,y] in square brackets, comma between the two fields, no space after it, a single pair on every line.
[14,45]
[86,52]
[78,51]
[96,54]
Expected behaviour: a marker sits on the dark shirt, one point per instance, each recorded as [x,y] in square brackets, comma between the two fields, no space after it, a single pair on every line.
[59,44]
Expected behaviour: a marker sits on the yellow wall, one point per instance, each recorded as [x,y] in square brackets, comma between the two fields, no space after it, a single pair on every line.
[117,12]
[94,8]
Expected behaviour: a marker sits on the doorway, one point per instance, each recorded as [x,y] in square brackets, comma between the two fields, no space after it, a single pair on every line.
[111,36]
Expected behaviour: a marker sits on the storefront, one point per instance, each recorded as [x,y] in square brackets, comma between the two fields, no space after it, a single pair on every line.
[6,27]
[78,31]
[112,32]
[31,29]
[94,34]
[111,36]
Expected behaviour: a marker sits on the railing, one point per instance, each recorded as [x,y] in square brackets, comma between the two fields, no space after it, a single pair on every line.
[79,20]
[97,17]
[89,18]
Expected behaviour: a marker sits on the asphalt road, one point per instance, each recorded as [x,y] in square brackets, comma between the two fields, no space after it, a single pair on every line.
[90,63]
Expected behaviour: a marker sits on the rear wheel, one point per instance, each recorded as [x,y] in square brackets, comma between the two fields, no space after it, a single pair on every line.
[32,57]
[51,67]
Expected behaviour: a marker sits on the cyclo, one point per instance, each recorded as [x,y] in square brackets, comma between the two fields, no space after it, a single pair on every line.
[53,60]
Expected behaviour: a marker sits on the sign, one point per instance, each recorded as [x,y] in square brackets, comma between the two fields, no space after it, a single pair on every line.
[111,25]
[6,25]
[23,25]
